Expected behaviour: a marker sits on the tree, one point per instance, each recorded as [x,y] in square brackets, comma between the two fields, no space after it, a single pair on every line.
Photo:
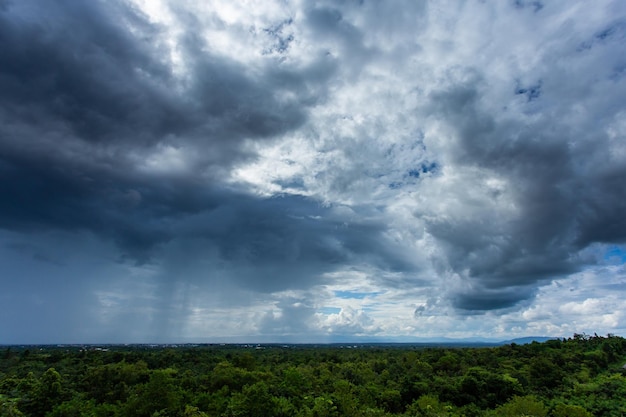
[8,407]
[254,401]
[112,382]
[191,411]
[429,406]
[566,410]
[46,393]
[160,393]
[77,407]
[486,389]
[545,374]
[322,407]
[528,406]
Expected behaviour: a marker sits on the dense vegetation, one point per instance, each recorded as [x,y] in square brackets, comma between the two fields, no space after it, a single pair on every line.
[580,376]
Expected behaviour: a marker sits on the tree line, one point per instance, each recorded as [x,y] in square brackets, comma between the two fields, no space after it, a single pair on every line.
[579,376]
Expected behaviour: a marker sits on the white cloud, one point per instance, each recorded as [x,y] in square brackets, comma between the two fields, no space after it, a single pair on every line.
[291,169]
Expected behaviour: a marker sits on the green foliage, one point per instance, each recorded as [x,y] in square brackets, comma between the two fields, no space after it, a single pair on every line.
[42,395]
[390,400]
[191,411]
[159,394]
[226,374]
[283,407]
[111,383]
[322,407]
[528,406]
[9,408]
[599,395]
[545,374]
[566,410]
[577,377]
[254,400]
[429,406]
[294,384]
[485,389]
[214,403]
[77,407]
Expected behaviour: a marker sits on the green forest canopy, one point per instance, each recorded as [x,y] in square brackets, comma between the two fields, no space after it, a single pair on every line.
[578,376]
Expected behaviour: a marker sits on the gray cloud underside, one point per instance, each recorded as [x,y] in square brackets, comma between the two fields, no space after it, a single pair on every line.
[88,96]
[567,185]
[83,100]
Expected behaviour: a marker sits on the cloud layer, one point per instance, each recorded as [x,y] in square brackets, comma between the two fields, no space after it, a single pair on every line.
[297,171]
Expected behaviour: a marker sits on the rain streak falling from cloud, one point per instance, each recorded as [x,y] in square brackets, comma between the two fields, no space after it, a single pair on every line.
[297,171]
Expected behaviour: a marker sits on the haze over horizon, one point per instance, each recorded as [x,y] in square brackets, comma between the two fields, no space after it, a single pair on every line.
[294,170]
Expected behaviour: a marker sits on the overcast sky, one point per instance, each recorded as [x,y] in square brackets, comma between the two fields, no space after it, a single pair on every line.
[311,171]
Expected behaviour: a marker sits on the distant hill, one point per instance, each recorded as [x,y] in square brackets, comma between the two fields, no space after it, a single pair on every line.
[329,341]
[441,340]
[529,339]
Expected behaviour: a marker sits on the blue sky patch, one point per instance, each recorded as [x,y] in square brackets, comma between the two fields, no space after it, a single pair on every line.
[615,254]
[424,168]
[355,295]
[329,310]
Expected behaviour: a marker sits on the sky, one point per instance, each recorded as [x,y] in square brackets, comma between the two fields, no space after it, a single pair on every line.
[311,171]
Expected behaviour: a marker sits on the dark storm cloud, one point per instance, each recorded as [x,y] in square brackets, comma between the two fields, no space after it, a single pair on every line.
[482,300]
[601,211]
[80,93]
[82,75]
[84,98]
[41,300]
[39,195]
[284,242]
[69,65]
[565,202]
[143,159]
[141,215]
[34,252]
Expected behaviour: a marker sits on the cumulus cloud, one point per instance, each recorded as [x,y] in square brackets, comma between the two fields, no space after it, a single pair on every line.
[226,170]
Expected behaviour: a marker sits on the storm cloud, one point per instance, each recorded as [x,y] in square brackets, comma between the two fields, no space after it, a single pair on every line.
[176,171]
